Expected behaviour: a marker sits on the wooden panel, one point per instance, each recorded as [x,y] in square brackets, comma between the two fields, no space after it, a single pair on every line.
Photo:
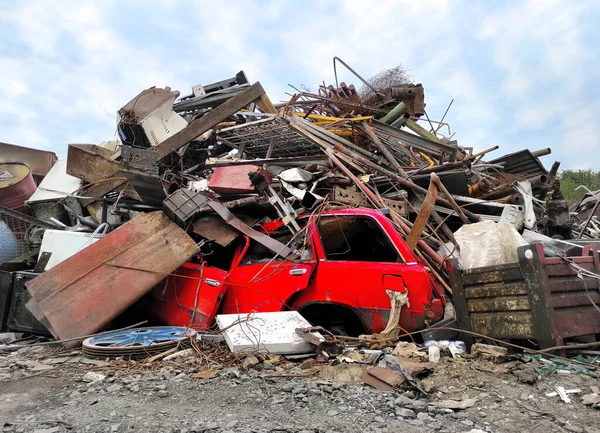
[499,304]
[84,293]
[502,274]
[573,322]
[563,269]
[567,284]
[496,289]
[503,325]
[564,300]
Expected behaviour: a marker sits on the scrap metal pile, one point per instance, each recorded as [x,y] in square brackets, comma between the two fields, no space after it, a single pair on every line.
[197,186]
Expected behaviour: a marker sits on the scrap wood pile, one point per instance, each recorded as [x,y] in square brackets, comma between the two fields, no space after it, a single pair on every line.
[194,173]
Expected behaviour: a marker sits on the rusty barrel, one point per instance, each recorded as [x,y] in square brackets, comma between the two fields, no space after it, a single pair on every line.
[16,185]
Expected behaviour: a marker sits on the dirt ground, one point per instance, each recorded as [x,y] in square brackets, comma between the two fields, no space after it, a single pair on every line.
[43,391]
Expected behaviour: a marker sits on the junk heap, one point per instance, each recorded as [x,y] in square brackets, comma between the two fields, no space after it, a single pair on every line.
[350,206]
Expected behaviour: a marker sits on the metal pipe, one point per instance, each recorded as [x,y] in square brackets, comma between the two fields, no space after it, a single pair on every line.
[398,111]
[542,152]
[435,179]
[483,152]
[404,182]
[383,149]
[445,167]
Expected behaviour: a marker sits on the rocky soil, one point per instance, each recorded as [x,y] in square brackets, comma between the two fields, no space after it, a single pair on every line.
[43,391]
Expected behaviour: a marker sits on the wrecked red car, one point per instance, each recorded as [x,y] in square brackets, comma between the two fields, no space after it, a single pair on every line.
[347,263]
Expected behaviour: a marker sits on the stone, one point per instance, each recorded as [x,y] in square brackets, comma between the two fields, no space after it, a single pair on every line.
[92,376]
[114,388]
[135,388]
[424,417]
[162,394]
[332,413]
[231,424]
[379,419]
[406,413]
[268,366]
[250,361]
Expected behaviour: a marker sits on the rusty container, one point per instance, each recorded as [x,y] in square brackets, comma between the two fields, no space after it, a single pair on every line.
[16,185]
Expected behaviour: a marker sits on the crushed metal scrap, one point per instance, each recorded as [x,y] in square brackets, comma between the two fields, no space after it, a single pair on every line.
[349,207]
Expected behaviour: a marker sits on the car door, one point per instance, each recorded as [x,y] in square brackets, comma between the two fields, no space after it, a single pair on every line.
[260,283]
[191,297]
[358,262]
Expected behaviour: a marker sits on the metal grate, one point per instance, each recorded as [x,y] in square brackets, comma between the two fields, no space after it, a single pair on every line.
[255,137]
[19,229]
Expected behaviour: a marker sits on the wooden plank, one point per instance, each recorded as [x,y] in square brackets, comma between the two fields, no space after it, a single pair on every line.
[506,275]
[496,289]
[517,324]
[581,299]
[570,284]
[84,293]
[210,120]
[504,303]
[387,375]
[562,269]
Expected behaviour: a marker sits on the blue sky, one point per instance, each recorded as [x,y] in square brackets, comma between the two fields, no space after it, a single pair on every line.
[523,74]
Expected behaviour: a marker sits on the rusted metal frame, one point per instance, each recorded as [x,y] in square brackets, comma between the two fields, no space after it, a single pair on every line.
[360,107]
[539,297]
[441,122]
[460,301]
[440,168]
[29,219]
[263,239]
[209,120]
[424,214]
[383,149]
[432,147]
[435,179]
[269,152]
[327,148]
[356,74]
[406,183]
[330,136]
[292,159]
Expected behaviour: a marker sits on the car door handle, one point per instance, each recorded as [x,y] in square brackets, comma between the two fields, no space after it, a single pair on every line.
[297,272]
[213,283]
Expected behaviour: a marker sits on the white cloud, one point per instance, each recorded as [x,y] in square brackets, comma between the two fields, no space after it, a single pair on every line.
[521,68]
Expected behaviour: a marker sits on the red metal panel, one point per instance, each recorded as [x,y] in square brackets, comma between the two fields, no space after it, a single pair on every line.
[85,292]
[234,179]
[265,287]
[192,299]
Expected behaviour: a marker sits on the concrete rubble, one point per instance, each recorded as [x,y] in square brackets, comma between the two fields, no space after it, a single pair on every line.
[338,256]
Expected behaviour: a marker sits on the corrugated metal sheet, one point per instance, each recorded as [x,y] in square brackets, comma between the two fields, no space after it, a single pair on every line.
[522,162]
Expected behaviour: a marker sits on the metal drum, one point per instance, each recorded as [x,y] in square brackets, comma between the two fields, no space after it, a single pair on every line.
[16,185]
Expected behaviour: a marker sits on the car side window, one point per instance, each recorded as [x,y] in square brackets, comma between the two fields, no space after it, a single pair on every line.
[356,239]
[258,253]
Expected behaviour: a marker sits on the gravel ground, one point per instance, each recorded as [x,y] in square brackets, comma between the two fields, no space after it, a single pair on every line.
[40,392]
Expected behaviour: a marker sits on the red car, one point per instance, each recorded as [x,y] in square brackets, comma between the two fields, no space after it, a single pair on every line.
[347,262]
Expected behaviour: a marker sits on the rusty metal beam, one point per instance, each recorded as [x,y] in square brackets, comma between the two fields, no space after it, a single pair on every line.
[424,213]
[210,120]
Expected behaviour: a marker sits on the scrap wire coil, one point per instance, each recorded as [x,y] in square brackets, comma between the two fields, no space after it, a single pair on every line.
[138,343]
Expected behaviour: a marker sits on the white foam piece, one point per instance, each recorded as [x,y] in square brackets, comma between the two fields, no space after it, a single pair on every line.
[273,332]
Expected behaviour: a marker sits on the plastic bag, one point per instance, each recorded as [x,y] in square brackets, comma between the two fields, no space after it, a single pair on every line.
[486,244]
